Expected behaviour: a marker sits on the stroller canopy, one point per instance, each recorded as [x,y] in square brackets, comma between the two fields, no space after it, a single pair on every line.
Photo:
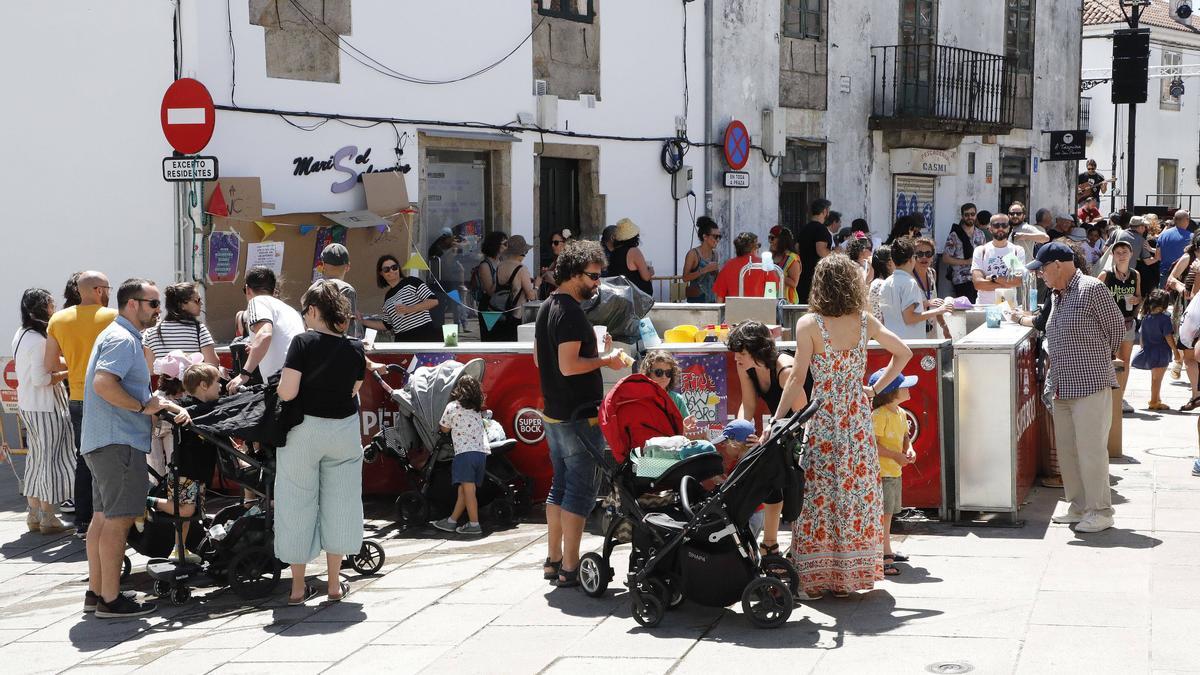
[634,411]
[424,398]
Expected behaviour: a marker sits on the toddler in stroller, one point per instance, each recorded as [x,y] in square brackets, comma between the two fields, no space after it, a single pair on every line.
[426,452]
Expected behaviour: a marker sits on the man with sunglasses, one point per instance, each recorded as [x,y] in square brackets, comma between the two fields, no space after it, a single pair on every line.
[995,265]
[117,425]
[70,336]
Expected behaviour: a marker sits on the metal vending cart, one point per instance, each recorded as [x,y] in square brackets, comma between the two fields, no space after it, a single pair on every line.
[998,402]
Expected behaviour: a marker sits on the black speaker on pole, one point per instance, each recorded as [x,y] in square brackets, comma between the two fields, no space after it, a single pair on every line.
[1130,68]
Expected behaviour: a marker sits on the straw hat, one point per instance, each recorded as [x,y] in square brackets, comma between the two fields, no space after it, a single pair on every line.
[626,230]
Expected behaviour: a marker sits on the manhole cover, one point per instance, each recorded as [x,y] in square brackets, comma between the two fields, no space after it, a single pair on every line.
[1177,452]
[950,667]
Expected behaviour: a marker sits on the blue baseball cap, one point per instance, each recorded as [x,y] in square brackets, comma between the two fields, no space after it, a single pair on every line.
[737,430]
[1052,252]
[901,381]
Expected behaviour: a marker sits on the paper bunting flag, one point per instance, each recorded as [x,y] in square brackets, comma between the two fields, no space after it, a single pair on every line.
[416,262]
[490,318]
[266,227]
[305,229]
[453,295]
[216,203]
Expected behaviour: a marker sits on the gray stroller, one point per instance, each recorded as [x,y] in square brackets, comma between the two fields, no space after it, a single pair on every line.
[425,452]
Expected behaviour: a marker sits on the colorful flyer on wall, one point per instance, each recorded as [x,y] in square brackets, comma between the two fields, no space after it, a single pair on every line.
[224,254]
[703,382]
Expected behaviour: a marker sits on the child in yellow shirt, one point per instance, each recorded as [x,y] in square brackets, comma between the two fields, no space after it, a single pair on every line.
[895,451]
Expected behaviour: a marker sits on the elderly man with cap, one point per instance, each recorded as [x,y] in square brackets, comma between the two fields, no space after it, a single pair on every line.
[627,259]
[1083,333]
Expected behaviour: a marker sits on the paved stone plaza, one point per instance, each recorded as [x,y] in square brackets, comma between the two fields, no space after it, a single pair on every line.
[1033,600]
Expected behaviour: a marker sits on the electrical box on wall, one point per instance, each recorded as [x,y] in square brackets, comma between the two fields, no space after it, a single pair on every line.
[681,182]
[547,111]
[774,138]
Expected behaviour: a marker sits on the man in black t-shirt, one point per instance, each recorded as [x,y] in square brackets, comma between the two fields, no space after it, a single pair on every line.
[569,363]
[1091,184]
[814,241]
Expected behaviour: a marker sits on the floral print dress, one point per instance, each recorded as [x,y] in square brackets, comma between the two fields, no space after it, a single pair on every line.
[837,542]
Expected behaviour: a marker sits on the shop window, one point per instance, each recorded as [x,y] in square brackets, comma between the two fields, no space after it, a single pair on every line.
[574,10]
[802,19]
[1171,62]
[1018,34]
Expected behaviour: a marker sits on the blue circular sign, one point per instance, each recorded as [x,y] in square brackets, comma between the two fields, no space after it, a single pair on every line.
[737,145]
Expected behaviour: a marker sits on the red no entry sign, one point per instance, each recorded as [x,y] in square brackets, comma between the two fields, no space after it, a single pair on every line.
[737,145]
[10,374]
[187,116]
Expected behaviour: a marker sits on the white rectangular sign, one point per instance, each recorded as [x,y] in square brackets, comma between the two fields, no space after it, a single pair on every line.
[737,179]
[189,168]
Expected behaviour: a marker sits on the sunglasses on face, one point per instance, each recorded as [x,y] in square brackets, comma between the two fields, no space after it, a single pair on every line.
[389,268]
[594,276]
[663,372]
[154,303]
[924,254]
[715,236]
[1016,213]
[557,242]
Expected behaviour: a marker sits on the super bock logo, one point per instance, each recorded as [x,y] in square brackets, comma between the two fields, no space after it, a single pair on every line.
[914,426]
[529,426]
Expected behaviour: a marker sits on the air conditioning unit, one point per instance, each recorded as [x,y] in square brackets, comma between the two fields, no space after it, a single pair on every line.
[540,88]
[547,111]
[587,100]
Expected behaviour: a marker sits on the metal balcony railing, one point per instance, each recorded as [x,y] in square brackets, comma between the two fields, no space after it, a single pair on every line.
[929,86]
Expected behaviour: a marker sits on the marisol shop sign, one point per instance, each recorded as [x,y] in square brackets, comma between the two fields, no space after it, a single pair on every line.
[346,160]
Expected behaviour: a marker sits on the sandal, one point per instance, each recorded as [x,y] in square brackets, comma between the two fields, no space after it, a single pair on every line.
[310,592]
[769,549]
[550,569]
[890,570]
[1190,405]
[344,588]
[841,594]
[567,578]
[896,557]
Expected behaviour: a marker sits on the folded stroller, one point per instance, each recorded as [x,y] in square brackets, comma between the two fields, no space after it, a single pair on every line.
[236,546]
[702,548]
[425,452]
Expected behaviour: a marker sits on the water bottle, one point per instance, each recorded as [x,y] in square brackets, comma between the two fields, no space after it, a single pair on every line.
[217,532]
[1030,286]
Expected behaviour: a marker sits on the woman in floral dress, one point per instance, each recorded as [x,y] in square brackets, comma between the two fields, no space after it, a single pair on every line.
[837,542]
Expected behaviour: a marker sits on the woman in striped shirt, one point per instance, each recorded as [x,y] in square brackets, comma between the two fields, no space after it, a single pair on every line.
[181,328]
[406,304]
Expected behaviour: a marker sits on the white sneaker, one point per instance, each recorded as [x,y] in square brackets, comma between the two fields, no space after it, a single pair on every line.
[1094,523]
[1067,518]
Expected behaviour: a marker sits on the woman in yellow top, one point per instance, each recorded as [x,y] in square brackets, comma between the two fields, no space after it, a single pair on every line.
[782,245]
[895,452]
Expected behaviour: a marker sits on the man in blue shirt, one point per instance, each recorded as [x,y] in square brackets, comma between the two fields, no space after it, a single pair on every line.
[1172,242]
[117,411]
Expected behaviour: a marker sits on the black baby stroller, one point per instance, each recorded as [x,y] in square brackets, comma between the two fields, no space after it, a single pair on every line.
[236,546]
[702,548]
[426,452]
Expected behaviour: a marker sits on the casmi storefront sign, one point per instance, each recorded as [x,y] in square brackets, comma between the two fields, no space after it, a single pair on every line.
[1068,145]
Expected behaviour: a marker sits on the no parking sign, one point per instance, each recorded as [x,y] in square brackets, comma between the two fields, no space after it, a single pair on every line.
[737,145]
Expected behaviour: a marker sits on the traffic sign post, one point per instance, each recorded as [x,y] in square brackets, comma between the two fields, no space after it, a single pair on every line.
[737,145]
[187,116]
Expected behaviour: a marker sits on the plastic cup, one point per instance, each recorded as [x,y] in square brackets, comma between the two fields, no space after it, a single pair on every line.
[600,331]
[450,334]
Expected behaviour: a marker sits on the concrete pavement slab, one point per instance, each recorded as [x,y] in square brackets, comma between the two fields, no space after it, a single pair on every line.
[315,642]
[898,654]
[389,659]
[1093,650]
[440,624]
[576,665]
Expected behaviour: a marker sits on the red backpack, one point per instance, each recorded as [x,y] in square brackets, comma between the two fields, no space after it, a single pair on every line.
[636,410]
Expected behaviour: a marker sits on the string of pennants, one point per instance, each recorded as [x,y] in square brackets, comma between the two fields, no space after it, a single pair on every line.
[218,207]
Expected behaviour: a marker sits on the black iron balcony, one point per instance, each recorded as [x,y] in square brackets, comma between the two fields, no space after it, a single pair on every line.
[938,88]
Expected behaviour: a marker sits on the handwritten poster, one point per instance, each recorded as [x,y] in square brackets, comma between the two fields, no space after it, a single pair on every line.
[224,254]
[267,254]
[703,382]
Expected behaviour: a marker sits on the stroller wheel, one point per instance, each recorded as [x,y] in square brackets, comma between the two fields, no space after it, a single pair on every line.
[162,589]
[369,558]
[180,595]
[775,565]
[594,574]
[411,508]
[126,568]
[647,609]
[502,512]
[674,590]
[253,572]
[767,602]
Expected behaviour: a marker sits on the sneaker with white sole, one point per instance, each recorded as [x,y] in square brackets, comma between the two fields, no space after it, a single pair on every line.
[67,506]
[1196,468]
[123,608]
[1125,407]
[445,525]
[1067,518]
[469,528]
[1094,523]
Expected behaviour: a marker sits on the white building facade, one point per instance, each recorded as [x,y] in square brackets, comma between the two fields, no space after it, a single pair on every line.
[1167,160]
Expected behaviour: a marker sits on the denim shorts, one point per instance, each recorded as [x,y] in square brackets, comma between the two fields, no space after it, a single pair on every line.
[468,467]
[575,448]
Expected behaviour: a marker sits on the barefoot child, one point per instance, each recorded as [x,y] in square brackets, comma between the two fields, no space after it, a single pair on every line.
[895,451]
[464,421]
[1158,344]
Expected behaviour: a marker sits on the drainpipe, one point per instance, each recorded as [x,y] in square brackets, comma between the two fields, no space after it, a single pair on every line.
[708,104]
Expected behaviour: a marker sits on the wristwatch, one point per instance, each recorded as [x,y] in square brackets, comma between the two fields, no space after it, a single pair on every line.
[142,409]
[993,278]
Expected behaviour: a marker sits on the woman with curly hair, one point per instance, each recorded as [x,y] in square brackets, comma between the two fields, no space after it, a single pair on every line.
[837,542]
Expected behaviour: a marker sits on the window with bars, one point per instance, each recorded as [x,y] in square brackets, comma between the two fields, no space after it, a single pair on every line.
[583,11]
[804,159]
[1171,62]
[802,19]
[1018,33]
